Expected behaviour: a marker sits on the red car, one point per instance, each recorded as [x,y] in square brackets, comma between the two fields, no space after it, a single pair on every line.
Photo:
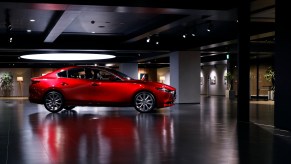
[97,86]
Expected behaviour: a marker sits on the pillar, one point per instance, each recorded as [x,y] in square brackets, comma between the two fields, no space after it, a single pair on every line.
[243,61]
[282,56]
[130,69]
[185,75]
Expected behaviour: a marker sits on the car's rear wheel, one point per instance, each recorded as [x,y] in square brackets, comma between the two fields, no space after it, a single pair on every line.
[69,107]
[144,102]
[54,101]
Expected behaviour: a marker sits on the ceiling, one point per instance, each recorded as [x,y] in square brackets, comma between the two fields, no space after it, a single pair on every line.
[122,29]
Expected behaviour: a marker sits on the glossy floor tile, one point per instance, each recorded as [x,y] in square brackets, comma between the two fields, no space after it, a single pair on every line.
[206,133]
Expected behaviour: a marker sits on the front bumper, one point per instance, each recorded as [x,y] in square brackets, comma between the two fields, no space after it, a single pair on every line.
[167,100]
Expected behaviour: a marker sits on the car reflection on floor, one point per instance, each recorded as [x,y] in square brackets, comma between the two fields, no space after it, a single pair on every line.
[70,136]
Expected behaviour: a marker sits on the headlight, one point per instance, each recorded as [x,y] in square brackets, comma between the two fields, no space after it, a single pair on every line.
[164,90]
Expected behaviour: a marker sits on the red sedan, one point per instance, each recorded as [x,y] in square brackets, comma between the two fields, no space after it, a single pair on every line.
[97,86]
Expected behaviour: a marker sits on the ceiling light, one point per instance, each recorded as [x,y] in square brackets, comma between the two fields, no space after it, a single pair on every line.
[67,56]
[28,30]
[148,39]
[32,20]
[10,39]
[109,65]
[209,27]
[9,27]
[193,34]
[184,35]
[93,32]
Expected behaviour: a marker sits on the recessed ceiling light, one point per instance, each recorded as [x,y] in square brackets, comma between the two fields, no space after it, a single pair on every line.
[32,20]
[93,32]
[67,56]
[28,30]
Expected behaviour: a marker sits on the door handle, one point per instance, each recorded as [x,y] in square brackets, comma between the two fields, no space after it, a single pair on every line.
[95,84]
[64,84]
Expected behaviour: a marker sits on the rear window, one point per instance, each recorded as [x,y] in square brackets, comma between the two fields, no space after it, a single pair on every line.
[78,73]
[63,74]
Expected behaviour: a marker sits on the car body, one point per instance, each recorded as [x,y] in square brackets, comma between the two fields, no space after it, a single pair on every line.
[97,86]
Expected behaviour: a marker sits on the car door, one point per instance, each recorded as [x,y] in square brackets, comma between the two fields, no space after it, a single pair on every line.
[109,89]
[76,88]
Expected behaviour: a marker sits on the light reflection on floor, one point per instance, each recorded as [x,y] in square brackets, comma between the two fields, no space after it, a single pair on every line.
[185,133]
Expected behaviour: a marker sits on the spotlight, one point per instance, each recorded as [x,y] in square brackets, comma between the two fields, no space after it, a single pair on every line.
[157,39]
[209,27]
[9,27]
[193,31]
[148,39]
[184,35]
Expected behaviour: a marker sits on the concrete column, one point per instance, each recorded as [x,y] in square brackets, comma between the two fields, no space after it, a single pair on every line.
[185,75]
[282,56]
[130,69]
[243,106]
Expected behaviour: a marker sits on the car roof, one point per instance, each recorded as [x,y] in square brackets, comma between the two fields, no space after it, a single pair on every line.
[83,66]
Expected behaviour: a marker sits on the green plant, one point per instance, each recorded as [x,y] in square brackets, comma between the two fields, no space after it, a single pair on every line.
[6,81]
[270,76]
[229,78]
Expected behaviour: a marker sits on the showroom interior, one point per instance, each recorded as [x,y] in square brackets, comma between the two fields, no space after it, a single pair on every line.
[230,72]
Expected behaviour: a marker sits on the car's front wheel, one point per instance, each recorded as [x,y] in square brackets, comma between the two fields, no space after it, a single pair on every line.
[54,101]
[144,102]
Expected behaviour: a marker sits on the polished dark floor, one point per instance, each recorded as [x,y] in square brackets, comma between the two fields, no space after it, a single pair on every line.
[206,133]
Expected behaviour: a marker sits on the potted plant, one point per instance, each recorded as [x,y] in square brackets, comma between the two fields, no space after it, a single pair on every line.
[270,77]
[6,83]
[229,91]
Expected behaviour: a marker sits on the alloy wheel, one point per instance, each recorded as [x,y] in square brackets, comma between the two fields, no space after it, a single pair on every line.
[144,102]
[53,102]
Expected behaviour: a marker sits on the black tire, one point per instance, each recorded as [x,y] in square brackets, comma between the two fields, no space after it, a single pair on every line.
[144,102]
[69,107]
[54,101]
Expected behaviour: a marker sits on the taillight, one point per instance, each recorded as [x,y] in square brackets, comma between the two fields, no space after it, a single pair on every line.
[34,82]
